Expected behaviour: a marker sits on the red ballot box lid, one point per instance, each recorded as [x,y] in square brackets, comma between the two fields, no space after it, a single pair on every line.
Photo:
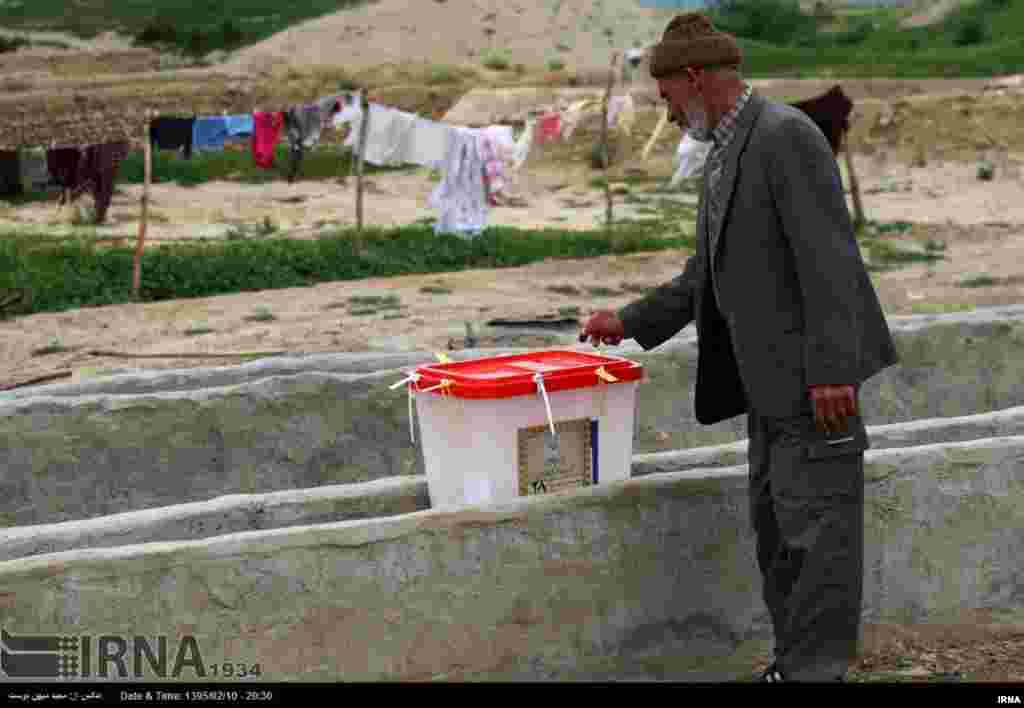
[513,374]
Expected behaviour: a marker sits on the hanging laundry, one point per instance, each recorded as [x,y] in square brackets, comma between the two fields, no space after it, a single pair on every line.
[97,170]
[303,126]
[460,197]
[574,114]
[493,175]
[615,104]
[32,165]
[402,136]
[171,133]
[691,154]
[496,145]
[296,142]
[521,151]
[309,120]
[240,126]
[209,133]
[62,164]
[427,143]
[625,115]
[388,139]
[266,132]
[549,128]
[10,174]
[351,109]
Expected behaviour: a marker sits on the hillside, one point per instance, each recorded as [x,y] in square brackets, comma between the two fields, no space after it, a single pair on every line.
[581,33]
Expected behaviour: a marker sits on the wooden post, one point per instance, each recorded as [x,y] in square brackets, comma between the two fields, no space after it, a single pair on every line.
[604,142]
[662,122]
[361,148]
[141,240]
[858,207]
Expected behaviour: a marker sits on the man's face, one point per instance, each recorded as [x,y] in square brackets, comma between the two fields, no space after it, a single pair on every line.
[687,107]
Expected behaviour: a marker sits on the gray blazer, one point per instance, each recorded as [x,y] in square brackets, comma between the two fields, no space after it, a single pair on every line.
[798,307]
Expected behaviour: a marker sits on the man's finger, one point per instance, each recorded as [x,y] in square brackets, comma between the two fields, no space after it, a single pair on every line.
[819,415]
[838,416]
[830,416]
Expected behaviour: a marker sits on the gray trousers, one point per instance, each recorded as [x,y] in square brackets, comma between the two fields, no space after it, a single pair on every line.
[807,511]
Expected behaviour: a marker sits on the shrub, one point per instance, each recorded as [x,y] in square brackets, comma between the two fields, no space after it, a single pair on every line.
[971,31]
[772,21]
[12,44]
[159,30]
[859,32]
[196,42]
[441,74]
[497,60]
[231,34]
[555,64]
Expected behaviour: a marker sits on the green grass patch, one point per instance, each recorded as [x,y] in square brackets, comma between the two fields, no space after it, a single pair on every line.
[981,281]
[54,347]
[931,308]
[380,301]
[262,314]
[571,311]
[495,59]
[12,44]
[67,272]
[197,330]
[601,291]
[443,74]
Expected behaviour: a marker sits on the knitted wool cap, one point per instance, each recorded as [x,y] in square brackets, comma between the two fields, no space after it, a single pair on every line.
[690,40]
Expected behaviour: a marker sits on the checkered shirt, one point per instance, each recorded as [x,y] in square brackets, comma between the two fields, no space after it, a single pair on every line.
[714,200]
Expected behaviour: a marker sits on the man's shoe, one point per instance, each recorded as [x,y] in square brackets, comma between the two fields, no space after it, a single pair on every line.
[772,675]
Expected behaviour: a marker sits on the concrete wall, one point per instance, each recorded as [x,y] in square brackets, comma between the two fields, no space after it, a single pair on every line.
[224,515]
[70,458]
[401,495]
[107,447]
[916,432]
[654,577]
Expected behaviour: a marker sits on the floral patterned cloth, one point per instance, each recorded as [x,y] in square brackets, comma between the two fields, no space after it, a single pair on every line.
[460,197]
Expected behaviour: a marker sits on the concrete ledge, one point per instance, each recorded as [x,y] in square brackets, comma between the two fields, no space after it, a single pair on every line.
[398,495]
[166,381]
[69,457]
[223,515]
[652,577]
[915,432]
[191,379]
[73,458]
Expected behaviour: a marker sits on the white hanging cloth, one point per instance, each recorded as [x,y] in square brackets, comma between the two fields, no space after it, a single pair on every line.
[691,156]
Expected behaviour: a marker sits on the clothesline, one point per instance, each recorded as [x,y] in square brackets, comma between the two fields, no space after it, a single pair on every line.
[477,162]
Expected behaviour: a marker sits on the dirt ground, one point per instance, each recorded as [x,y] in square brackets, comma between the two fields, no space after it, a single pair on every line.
[916,162]
[981,225]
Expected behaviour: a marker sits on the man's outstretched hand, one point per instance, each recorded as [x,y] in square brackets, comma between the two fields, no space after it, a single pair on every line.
[833,404]
[603,326]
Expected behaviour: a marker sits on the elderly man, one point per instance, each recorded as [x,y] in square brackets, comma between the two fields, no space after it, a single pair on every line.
[788,327]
